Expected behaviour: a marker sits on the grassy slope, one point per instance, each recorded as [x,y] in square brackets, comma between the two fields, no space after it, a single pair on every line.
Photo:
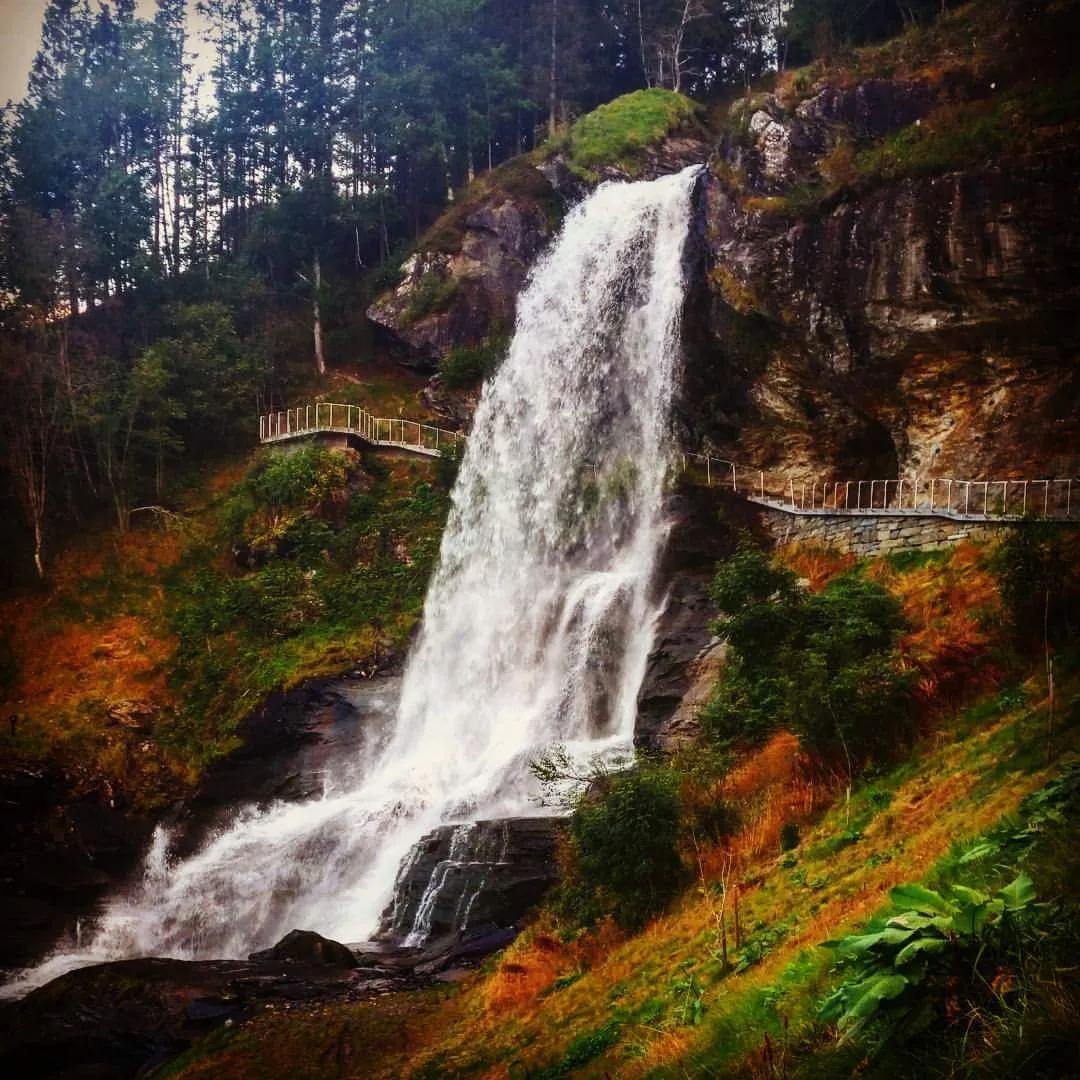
[664,1003]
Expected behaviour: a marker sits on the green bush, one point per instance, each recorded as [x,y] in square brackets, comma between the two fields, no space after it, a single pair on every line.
[625,847]
[467,365]
[820,664]
[1040,585]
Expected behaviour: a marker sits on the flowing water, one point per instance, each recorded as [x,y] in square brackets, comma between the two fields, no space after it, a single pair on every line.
[537,625]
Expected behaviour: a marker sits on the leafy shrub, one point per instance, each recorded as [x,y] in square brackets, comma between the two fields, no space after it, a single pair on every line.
[470,364]
[1040,585]
[822,665]
[937,949]
[581,1051]
[789,836]
[623,842]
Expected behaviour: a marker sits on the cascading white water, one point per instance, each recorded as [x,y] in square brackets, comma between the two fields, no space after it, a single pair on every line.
[537,625]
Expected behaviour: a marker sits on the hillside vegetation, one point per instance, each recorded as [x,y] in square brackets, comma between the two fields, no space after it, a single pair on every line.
[799,879]
[152,644]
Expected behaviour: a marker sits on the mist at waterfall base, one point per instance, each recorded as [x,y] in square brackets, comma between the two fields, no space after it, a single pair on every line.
[537,625]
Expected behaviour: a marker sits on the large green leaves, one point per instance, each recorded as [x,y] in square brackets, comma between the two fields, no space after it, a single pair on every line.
[916,898]
[1018,894]
[895,973]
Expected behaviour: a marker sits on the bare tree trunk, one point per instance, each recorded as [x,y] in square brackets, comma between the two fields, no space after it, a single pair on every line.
[178,150]
[316,313]
[641,44]
[553,94]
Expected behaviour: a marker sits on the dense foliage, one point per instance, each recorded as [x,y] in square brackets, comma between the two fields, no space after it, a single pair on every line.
[331,559]
[624,840]
[1040,585]
[822,665]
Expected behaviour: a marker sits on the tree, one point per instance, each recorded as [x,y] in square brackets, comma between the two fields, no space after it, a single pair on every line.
[625,846]
[32,406]
[819,664]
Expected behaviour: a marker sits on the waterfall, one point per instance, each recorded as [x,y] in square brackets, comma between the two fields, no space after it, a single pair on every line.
[537,625]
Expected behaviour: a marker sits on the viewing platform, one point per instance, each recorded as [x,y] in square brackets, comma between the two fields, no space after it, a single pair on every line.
[1012,499]
[355,422]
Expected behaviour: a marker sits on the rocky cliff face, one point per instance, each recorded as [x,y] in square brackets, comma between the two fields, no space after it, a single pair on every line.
[461,285]
[916,326]
[843,322]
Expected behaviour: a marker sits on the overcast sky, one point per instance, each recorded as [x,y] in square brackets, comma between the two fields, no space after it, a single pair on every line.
[20,35]
[21,31]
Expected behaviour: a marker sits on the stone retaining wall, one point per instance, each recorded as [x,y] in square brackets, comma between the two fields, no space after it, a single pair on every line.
[873,535]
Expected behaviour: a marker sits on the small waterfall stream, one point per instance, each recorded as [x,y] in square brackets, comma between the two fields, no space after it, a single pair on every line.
[537,625]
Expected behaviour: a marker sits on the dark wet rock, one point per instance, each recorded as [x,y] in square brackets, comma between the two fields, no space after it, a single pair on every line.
[459,877]
[706,525]
[59,855]
[289,746]
[308,948]
[117,1020]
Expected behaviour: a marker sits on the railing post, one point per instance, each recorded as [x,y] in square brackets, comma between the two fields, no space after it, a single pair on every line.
[1068,497]
[1046,498]
[734,486]
[708,471]
[967,497]
[1024,510]
[949,506]
[763,484]
[791,486]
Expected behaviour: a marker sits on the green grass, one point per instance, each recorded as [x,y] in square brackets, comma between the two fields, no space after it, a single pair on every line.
[969,134]
[620,132]
[341,555]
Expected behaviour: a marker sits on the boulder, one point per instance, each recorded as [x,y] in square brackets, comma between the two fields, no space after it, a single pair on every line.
[305,947]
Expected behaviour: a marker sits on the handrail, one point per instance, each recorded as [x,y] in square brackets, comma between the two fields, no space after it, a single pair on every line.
[935,496]
[916,496]
[335,417]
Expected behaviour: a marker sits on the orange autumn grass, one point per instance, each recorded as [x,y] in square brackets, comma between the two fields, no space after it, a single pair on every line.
[815,564]
[774,786]
[111,656]
[533,963]
[953,611]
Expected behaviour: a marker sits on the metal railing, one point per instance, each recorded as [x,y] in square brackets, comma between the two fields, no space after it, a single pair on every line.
[964,500]
[327,416]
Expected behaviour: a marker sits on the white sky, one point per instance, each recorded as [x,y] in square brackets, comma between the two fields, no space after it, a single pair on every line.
[20,35]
